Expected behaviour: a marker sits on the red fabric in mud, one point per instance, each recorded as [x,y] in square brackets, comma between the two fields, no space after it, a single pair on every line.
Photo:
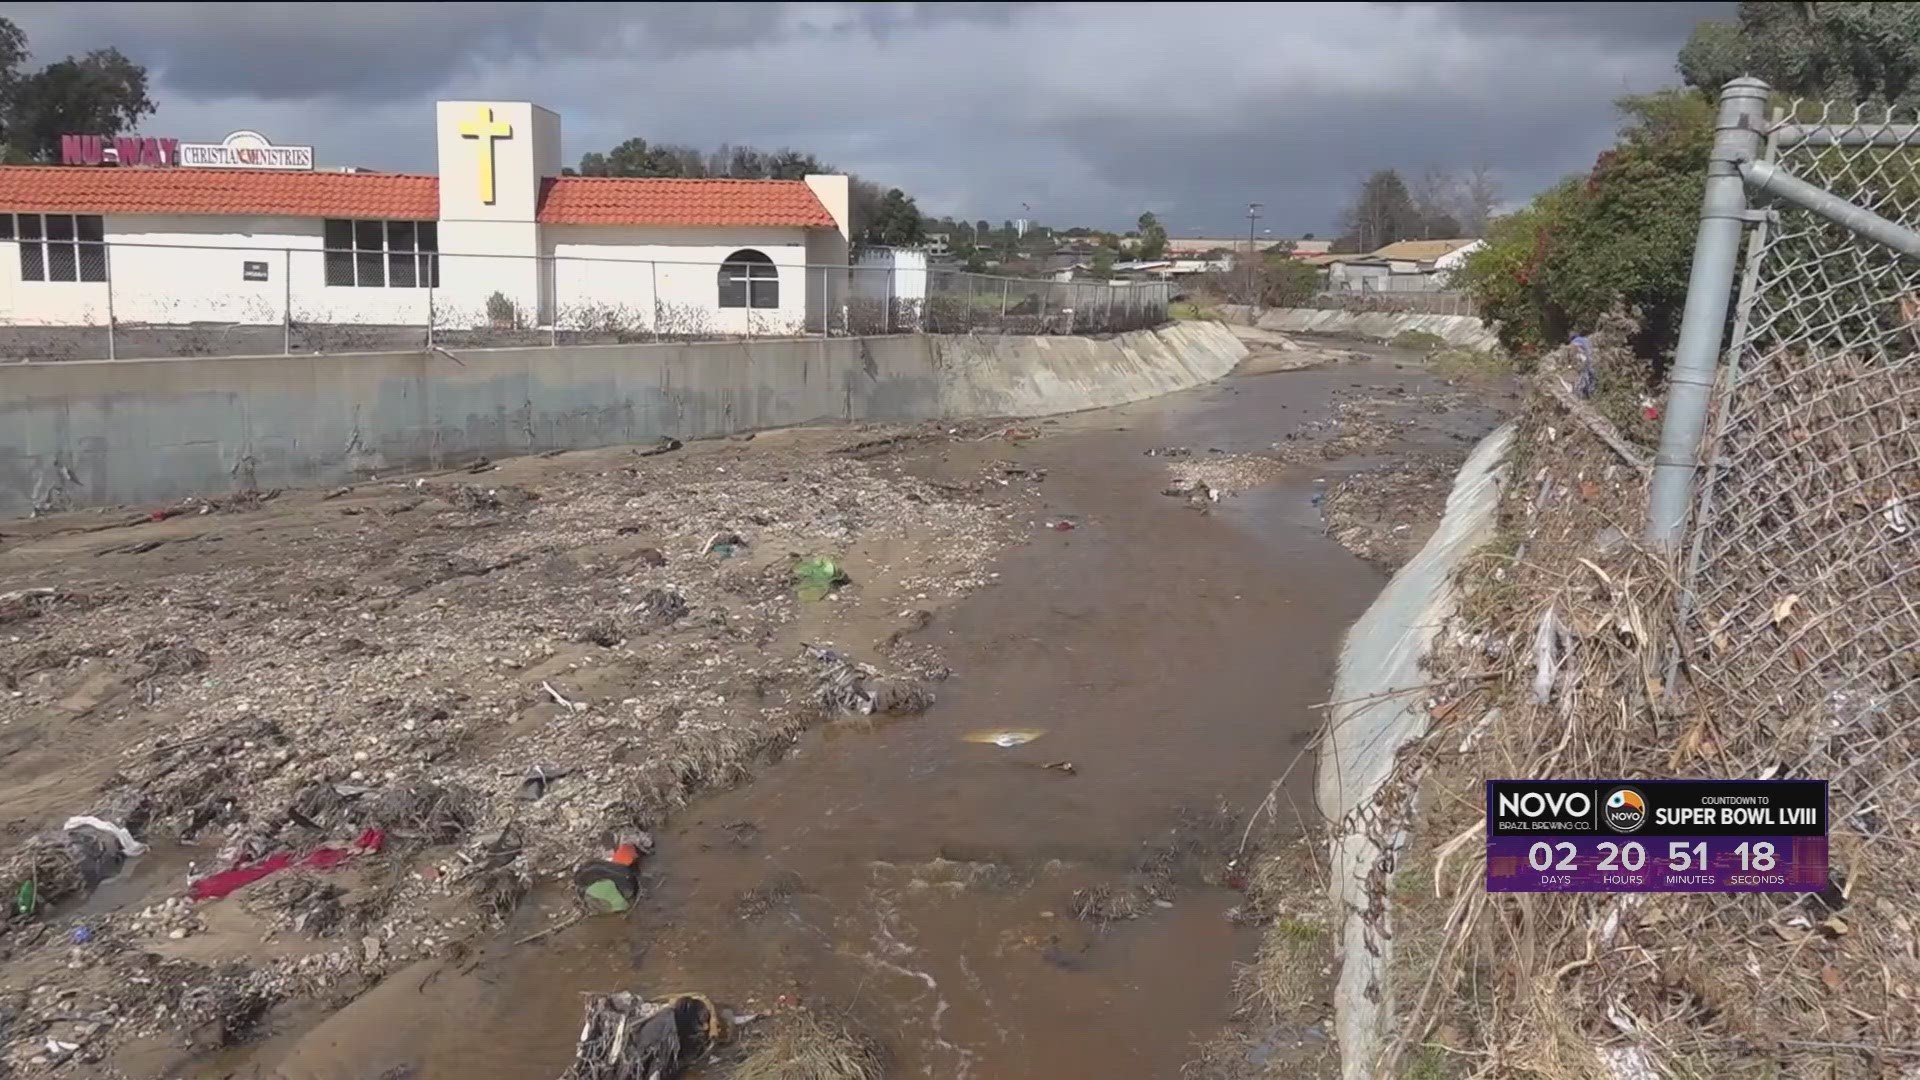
[215,886]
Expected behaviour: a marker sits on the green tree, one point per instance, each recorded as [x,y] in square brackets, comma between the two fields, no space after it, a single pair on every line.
[1850,51]
[635,157]
[632,158]
[746,163]
[1382,213]
[793,165]
[895,222]
[1284,280]
[101,93]
[1153,237]
[1623,234]
[1102,263]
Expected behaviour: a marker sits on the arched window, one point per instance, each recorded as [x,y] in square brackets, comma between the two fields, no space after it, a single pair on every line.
[749,279]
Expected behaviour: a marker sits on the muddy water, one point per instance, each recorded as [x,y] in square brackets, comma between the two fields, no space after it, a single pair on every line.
[924,882]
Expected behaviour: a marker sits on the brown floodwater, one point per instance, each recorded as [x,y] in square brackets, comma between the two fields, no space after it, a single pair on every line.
[1173,657]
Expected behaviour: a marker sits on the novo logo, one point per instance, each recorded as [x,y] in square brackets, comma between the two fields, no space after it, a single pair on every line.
[1557,805]
[1626,810]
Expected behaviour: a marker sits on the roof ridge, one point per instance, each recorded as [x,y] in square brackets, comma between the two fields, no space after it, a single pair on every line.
[686,179]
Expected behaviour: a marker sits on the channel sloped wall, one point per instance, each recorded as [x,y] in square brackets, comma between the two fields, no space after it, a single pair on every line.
[104,433]
[1460,331]
[1377,682]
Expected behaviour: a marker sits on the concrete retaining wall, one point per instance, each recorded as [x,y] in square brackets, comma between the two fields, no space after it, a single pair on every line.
[1464,331]
[101,433]
[1382,654]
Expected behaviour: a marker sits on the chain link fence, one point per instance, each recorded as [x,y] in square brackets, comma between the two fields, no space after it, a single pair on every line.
[1804,609]
[77,296]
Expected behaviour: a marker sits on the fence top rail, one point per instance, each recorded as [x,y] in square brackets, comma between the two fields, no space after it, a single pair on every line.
[1824,123]
[1846,135]
[847,267]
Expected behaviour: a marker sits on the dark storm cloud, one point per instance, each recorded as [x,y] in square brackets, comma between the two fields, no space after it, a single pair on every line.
[1643,23]
[291,51]
[1090,113]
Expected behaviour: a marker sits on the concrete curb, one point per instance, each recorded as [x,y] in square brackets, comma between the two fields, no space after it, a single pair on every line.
[1383,652]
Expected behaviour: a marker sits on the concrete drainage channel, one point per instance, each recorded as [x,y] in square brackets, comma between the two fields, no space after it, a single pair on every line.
[774,886]
[87,433]
[1379,665]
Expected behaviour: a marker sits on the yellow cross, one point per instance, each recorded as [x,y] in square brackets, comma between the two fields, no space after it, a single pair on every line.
[483,126]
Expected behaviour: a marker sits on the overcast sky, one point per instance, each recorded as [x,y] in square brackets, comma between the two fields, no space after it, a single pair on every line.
[1090,113]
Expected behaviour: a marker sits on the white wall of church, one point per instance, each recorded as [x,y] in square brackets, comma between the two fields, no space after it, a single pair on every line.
[174,269]
[167,269]
[607,273]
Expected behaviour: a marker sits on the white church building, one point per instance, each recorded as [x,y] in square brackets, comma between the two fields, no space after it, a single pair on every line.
[150,230]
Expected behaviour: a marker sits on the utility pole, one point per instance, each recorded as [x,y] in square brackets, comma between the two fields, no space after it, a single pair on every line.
[1253,215]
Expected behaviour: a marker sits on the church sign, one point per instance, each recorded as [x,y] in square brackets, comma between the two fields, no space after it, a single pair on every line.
[240,150]
[118,150]
[245,150]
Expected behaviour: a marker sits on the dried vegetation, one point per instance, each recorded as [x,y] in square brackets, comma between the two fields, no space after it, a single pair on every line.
[1558,986]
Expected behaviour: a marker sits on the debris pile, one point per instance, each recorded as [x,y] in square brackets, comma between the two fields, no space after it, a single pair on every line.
[808,1044]
[1384,515]
[1217,476]
[489,690]
[627,1038]
[846,686]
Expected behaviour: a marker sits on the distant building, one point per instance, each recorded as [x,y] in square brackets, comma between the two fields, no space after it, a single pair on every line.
[1201,245]
[1404,266]
[937,244]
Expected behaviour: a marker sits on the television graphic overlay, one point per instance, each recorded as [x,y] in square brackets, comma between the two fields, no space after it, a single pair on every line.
[1656,835]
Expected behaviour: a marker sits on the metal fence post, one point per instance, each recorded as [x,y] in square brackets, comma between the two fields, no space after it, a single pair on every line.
[653,275]
[286,305]
[1108,318]
[971,285]
[113,349]
[1738,136]
[886,304]
[1005,285]
[433,269]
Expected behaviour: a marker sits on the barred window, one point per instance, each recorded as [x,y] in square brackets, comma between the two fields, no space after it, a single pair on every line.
[383,254]
[748,279]
[58,247]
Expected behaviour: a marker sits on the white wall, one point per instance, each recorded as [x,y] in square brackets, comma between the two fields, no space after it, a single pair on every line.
[183,269]
[908,271]
[497,234]
[47,303]
[1352,276]
[1445,265]
[603,271]
[179,269]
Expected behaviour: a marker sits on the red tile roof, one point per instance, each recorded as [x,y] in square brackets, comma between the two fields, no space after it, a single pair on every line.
[625,200]
[92,190]
[568,200]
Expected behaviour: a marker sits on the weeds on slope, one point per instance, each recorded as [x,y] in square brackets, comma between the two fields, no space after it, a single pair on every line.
[1685,985]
